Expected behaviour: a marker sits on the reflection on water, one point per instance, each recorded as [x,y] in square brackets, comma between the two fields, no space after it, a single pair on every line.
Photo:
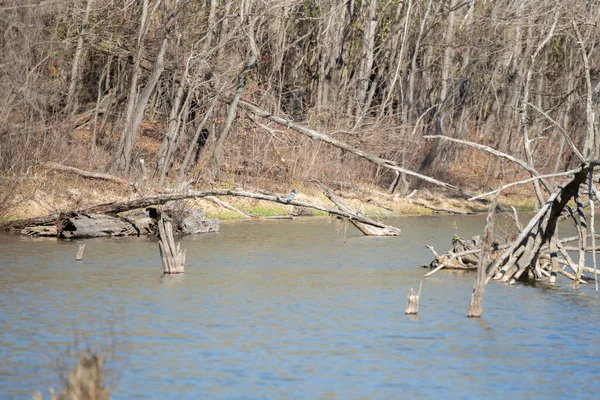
[289,309]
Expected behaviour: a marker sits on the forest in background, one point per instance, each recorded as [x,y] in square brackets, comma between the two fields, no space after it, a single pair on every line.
[101,84]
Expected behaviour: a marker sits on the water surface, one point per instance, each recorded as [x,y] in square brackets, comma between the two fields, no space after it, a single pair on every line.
[290,309]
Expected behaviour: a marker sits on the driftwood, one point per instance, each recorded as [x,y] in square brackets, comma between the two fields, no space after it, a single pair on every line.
[93,225]
[171,256]
[464,255]
[367,229]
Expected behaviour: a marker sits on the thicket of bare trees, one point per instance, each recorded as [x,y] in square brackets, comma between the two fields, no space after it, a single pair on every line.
[101,83]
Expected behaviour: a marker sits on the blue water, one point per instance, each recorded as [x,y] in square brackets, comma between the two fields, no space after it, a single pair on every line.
[289,309]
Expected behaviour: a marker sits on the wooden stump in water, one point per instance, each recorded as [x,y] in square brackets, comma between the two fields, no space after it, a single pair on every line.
[412,301]
[171,256]
[79,256]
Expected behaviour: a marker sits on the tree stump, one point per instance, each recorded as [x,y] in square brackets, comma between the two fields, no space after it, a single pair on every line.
[412,301]
[171,256]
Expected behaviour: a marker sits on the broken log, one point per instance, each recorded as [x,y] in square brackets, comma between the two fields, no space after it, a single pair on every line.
[94,225]
[171,256]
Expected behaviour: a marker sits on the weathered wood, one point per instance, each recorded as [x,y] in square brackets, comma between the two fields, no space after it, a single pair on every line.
[476,305]
[42,230]
[171,256]
[196,222]
[543,224]
[93,225]
[368,229]
[581,231]
[79,256]
[412,301]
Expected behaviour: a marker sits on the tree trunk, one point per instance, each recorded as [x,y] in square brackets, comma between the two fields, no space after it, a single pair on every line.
[71,95]
[366,64]
[215,163]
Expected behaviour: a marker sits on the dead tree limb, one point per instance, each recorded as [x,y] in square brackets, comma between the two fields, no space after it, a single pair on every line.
[86,174]
[524,181]
[568,139]
[227,206]
[368,229]
[525,165]
[313,134]
[525,249]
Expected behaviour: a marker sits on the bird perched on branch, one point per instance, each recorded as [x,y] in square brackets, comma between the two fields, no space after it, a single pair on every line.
[291,195]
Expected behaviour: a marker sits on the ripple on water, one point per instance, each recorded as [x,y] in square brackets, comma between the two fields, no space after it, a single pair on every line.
[290,310]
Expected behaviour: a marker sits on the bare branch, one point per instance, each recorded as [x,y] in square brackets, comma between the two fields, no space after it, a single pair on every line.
[529,180]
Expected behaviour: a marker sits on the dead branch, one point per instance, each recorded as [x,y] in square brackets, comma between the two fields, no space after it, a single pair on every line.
[368,229]
[524,181]
[86,174]
[490,150]
[313,134]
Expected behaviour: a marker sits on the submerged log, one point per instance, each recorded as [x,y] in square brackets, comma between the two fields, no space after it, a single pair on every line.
[94,225]
[79,256]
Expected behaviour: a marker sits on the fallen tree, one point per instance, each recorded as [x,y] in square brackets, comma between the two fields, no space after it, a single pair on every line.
[315,135]
[114,208]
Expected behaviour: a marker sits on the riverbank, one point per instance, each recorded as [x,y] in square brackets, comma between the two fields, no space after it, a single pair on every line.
[38,195]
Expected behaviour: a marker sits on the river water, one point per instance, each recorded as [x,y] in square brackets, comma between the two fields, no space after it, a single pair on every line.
[289,309]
